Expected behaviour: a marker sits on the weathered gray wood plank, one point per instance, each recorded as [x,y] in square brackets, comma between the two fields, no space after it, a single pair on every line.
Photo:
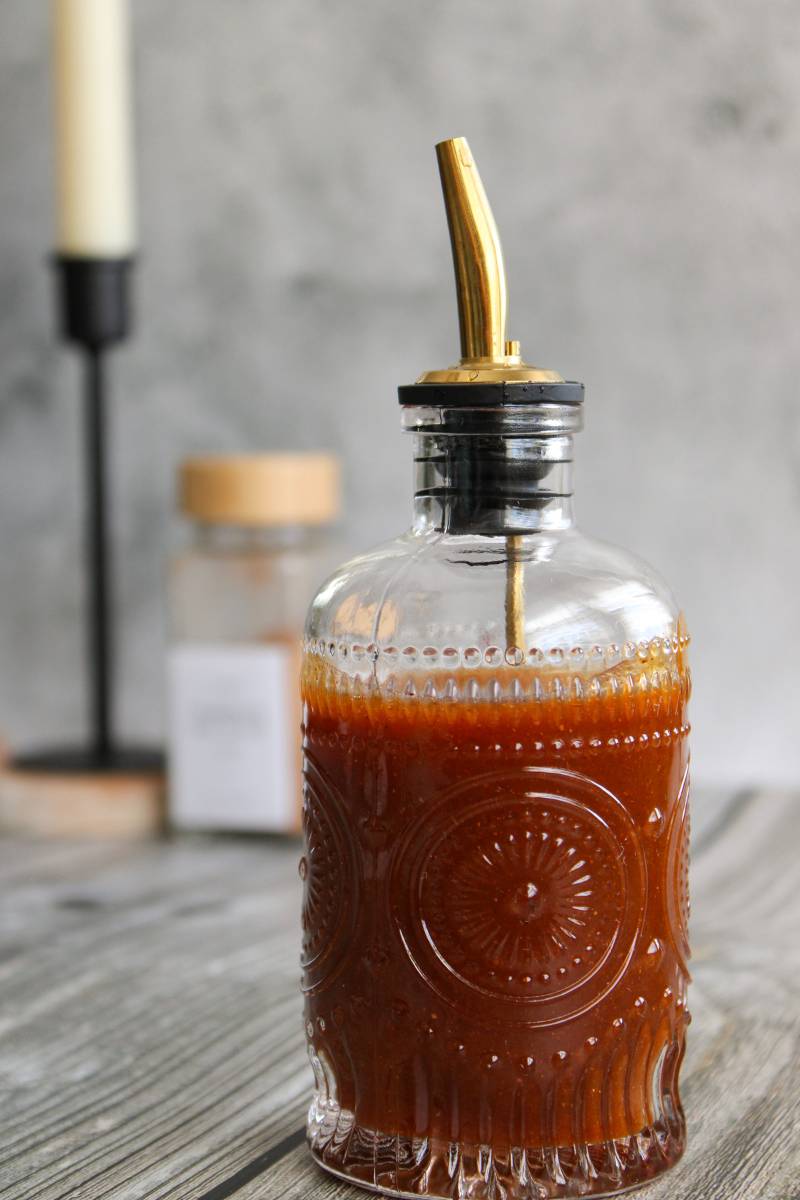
[150,1037]
[150,1031]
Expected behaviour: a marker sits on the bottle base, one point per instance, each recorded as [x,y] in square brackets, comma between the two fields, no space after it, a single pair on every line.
[395,1165]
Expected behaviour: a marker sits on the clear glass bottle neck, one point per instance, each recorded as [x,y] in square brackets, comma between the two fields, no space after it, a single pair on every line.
[492,485]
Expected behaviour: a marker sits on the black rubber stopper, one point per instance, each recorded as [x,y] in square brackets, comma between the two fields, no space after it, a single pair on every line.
[488,395]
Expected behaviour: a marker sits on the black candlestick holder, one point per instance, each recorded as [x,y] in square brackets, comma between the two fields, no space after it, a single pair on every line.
[95,313]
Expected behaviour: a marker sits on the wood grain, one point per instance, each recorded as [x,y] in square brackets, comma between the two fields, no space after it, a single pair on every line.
[151,1041]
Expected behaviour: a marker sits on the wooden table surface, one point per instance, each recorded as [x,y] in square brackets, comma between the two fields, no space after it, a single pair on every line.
[151,1041]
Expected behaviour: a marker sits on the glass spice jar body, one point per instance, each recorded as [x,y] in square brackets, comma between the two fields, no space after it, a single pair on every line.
[496,835]
[239,592]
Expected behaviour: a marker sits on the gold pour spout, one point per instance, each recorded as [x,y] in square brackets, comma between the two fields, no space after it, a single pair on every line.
[486,355]
[477,255]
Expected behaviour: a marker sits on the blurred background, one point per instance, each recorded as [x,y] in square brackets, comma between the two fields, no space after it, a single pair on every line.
[643,162]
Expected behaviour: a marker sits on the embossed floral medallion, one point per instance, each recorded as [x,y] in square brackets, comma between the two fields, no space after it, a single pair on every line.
[520,885]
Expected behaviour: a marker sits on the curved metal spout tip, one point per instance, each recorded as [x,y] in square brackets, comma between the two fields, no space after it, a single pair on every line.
[486,356]
[477,253]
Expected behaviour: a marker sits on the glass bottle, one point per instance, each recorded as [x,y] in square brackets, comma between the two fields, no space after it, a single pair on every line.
[495,806]
[239,591]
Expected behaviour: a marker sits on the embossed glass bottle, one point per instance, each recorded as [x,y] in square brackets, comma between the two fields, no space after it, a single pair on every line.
[495,813]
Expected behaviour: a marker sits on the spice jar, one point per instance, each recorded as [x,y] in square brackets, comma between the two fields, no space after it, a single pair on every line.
[495,816]
[238,594]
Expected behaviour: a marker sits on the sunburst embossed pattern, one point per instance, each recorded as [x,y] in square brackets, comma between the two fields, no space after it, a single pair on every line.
[319,870]
[525,897]
[676,888]
[519,890]
[329,881]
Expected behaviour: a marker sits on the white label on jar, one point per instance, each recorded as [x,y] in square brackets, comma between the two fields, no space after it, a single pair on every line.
[232,737]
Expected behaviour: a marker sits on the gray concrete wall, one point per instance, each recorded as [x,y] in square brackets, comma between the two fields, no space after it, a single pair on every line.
[643,159]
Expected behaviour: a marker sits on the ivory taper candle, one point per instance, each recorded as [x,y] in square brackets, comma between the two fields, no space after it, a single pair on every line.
[94,177]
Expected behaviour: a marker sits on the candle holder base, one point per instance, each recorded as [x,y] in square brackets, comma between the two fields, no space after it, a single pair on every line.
[74,792]
[77,760]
